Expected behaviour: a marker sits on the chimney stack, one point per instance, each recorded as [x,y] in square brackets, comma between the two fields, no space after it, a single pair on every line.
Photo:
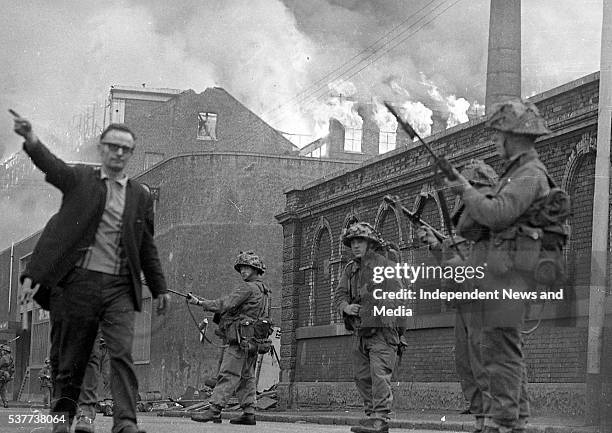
[504,54]
[370,132]
[335,138]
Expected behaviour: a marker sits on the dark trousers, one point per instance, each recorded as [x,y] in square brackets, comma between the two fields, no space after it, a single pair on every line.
[85,301]
[468,359]
[96,383]
[3,386]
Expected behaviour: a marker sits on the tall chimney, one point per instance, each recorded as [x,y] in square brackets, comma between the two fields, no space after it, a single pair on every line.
[504,55]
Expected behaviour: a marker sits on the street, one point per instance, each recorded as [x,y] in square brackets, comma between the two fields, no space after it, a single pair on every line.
[155,424]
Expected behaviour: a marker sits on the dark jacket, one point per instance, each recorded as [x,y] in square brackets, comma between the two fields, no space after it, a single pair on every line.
[72,229]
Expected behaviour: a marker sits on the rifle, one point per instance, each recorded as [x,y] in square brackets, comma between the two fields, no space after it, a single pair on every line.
[179,293]
[441,161]
[444,166]
[413,217]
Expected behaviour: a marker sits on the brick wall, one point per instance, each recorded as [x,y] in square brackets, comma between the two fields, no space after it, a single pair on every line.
[568,153]
[170,128]
[211,206]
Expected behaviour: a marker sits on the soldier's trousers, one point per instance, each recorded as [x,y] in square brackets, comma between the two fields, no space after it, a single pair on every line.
[506,403]
[237,374]
[3,386]
[373,362]
[468,359]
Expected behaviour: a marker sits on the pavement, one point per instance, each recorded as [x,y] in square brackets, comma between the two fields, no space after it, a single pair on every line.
[405,420]
[421,420]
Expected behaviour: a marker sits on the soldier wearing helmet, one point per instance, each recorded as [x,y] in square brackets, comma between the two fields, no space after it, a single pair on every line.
[376,337]
[236,311]
[468,317]
[504,212]
[44,377]
[7,370]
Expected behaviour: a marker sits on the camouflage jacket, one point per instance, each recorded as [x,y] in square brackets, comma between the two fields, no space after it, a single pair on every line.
[523,182]
[7,368]
[356,286]
[247,300]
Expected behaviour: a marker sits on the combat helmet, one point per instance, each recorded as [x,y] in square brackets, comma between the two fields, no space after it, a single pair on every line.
[479,173]
[360,230]
[517,116]
[249,258]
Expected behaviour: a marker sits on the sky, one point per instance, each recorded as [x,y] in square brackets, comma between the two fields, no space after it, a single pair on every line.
[293,62]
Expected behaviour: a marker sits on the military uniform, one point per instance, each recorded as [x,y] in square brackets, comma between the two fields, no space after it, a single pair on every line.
[376,337]
[46,385]
[469,314]
[522,186]
[246,303]
[7,370]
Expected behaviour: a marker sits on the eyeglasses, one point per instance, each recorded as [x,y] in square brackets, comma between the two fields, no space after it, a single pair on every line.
[115,148]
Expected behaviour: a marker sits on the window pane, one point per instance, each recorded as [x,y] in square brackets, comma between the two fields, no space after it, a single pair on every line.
[207,126]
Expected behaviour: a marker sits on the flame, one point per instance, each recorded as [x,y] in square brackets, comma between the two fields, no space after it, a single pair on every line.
[418,115]
[457,111]
[386,121]
[336,106]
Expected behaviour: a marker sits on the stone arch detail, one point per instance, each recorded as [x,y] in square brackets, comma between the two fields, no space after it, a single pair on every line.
[382,213]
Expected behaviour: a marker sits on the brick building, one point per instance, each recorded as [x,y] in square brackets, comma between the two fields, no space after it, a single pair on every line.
[315,348]
[217,187]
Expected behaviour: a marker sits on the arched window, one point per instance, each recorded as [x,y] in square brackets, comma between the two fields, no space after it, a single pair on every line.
[581,189]
[323,292]
[422,257]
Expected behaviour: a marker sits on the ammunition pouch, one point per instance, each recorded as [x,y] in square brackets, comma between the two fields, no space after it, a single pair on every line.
[535,251]
[252,335]
[499,261]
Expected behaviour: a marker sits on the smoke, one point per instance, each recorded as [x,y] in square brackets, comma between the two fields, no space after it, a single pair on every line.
[338,105]
[277,57]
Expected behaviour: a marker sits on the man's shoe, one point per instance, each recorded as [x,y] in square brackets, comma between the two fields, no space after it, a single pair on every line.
[374,425]
[207,415]
[244,419]
[84,425]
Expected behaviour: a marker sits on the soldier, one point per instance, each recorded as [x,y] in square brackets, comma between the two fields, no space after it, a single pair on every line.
[237,312]
[46,385]
[512,256]
[376,339]
[468,318]
[7,370]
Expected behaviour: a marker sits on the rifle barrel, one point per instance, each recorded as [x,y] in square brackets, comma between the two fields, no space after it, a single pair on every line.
[178,293]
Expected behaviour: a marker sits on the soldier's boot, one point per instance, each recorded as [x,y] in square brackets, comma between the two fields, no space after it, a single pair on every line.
[479,425]
[213,413]
[372,425]
[244,419]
